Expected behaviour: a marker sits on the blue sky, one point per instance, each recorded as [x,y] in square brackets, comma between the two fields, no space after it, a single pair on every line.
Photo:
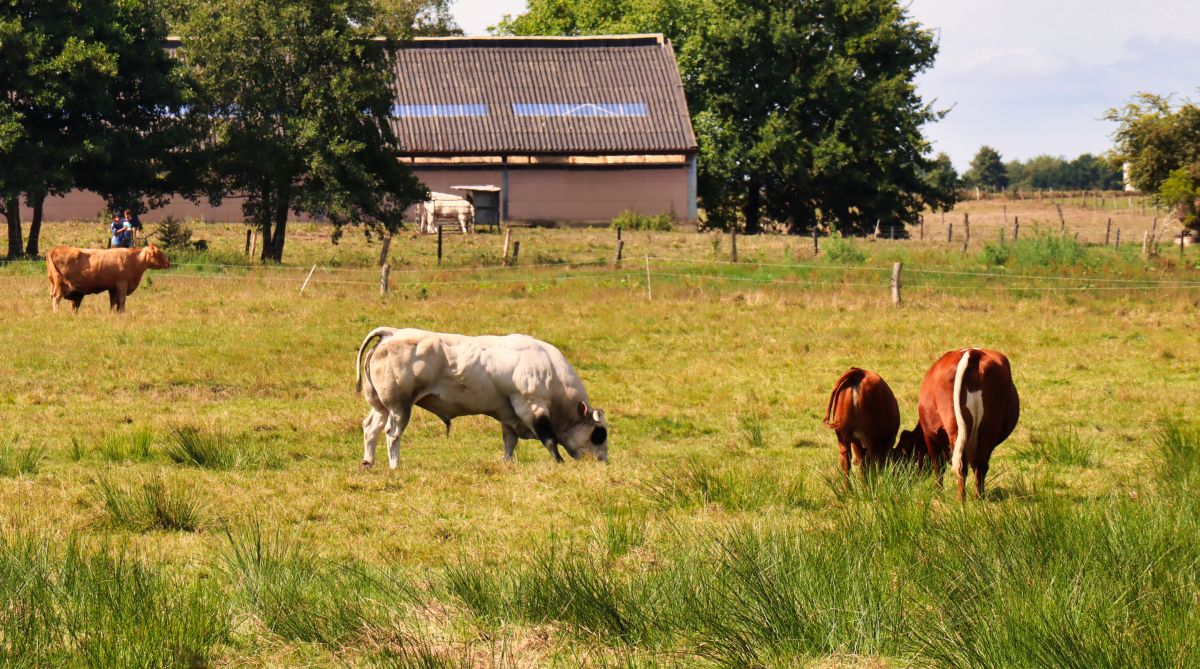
[1027,76]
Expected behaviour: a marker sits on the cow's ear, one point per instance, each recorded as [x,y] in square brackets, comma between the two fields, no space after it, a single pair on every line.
[583,410]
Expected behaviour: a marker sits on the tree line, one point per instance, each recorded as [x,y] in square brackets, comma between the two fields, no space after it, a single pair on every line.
[286,104]
[1085,172]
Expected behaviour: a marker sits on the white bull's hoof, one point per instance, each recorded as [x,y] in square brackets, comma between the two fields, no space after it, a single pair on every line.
[367,465]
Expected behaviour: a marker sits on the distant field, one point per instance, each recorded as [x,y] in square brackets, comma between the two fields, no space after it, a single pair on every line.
[181,485]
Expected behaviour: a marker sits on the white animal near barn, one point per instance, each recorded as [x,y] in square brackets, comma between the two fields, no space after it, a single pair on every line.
[525,384]
[444,207]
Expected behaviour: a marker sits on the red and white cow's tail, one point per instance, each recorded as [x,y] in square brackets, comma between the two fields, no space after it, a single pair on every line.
[380,333]
[966,402]
[851,378]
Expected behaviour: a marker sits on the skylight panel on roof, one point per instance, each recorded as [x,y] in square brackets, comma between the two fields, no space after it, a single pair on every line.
[447,111]
[581,109]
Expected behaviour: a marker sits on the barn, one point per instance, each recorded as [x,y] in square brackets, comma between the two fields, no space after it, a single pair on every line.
[572,129]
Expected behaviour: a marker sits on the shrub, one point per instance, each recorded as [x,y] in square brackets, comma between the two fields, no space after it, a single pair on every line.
[632,220]
[1039,251]
[173,233]
[839,249]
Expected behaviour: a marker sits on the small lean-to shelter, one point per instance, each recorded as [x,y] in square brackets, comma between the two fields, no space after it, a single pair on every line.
[571,129]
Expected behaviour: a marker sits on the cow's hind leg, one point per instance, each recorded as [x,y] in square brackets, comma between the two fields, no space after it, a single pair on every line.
[510,442]
[373,426]
[396,424]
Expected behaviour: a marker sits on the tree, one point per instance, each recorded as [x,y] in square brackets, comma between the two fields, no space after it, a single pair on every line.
[422,18]
[804,110]
[88,95]
[987,170]
[296,99]
[942,180]
[1155,137]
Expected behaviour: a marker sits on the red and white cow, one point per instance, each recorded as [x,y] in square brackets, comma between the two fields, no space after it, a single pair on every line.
[968,405]
[865,416]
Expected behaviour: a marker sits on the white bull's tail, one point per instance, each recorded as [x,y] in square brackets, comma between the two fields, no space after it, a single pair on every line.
[970,402]
[378,333]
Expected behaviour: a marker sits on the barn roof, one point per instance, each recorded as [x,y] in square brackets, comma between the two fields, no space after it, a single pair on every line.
[540,95]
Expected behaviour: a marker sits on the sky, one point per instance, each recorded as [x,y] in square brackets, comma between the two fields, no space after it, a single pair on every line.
[1026,77]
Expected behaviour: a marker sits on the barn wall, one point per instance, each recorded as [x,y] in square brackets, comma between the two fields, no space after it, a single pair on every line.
[575,195]
[537,194]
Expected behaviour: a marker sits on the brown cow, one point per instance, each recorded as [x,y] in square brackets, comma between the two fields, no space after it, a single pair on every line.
[865,416]
[968,406]
[76,272]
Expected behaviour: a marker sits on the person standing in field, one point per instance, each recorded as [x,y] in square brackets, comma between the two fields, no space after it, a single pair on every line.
[134,223]
[121,231]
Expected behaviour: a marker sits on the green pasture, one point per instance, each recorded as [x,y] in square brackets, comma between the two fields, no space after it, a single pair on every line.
[180,485]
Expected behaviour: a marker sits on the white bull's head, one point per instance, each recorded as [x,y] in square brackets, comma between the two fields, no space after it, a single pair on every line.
[588,435]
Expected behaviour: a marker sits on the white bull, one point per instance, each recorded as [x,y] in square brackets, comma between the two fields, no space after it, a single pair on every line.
[525,384]
[445,207]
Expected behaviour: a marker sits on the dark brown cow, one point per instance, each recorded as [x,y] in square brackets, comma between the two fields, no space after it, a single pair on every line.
[76,272]
[968,406]
[864,415]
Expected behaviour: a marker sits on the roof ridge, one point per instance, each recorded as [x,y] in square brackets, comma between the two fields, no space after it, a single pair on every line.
[631,39]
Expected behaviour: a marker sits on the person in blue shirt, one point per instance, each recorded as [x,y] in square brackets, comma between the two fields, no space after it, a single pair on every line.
[135,224]
[122,233]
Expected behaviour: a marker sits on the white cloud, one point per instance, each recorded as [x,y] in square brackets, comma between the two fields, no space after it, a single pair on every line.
[474,16]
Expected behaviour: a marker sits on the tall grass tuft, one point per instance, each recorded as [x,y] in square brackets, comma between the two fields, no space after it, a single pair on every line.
[149,505]
[301,597]
[1179,452]
[21,461]
[1041,251]
[73,607]
[136,445]
[206,449]
[754,429]
[1062,447]
[696,483]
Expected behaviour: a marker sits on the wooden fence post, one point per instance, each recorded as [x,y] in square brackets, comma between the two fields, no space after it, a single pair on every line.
[816,248]
[516,252]
[620,250]
[1062,222]
[439,227]
[248,233]
[253,242]
[1117,242]
[1107,231]
[1016,228]
[966,231]
[949,232]
[896,282]
[383,253]
[508,239]
[307,279]
[384,272]
[1006,214]
[1146,244]
[1181,235]
[733,242]
[922,227]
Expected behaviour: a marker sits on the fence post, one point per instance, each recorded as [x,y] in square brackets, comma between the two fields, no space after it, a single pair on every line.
[383,253]
[1062,222]
[1117,242]
[816,248]
[507,241]
[620,249]
[896,282]
[1001,236]
[922,227]
[733,242]
[383,279]
[1181,234]
[1107,231]
[949,232]
[1016,228]
[439,227]
[248,232]
[966,231]
[875,234]
[307,278]
[1146,244]
[253,243]
[1006,214]
[516,252]
[649,292]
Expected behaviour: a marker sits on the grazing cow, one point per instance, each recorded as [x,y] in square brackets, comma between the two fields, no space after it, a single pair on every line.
[76,272]
[865,416]
[968,406]
[525,384]
[445,207]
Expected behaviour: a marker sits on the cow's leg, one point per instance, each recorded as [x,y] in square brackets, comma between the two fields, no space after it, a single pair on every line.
[844,456]
[373,426]
[121,293]
[75,302]
[396,424]
[510,442]
[112,299]
[538,420]
[862,457]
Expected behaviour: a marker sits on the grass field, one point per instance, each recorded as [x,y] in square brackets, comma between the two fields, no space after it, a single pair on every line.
[180,485]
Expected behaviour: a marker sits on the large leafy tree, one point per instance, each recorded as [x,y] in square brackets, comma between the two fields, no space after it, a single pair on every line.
[88,95]
[422,18]
[297,98]
[1160,142]
[805,110]
[987,170]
